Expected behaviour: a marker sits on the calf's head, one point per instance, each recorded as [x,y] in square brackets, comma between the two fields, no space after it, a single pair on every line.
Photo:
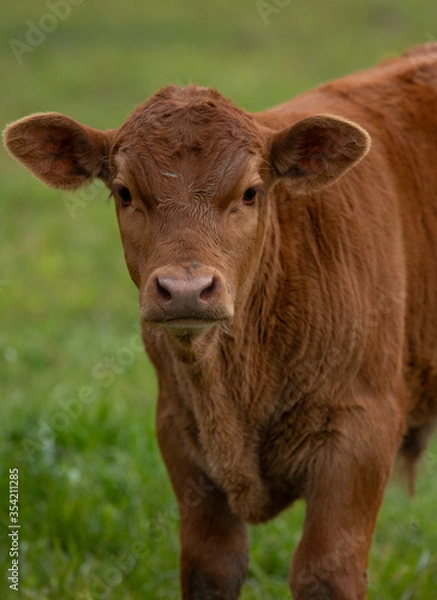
[193,180]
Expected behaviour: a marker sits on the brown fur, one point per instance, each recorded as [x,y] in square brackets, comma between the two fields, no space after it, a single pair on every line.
[293,334]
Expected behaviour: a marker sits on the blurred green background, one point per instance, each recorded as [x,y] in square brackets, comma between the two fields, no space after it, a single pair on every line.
[98,518]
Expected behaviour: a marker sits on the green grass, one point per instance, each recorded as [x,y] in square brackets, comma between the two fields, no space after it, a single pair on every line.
[77,395]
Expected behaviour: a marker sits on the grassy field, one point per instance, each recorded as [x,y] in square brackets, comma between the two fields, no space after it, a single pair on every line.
[98,518]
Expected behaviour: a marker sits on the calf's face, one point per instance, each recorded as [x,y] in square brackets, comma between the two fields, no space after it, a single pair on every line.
[186,178]
[193,181]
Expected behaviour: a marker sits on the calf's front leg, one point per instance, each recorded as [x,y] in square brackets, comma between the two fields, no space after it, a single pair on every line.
[346,482]
[214,541]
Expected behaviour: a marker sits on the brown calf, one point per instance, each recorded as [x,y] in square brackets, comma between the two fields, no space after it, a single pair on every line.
[288,302]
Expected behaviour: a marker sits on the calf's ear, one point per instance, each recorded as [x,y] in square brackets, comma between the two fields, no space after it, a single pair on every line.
[316,151]
[58,150]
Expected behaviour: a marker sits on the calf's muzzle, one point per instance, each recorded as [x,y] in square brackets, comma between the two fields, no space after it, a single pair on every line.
[187,297]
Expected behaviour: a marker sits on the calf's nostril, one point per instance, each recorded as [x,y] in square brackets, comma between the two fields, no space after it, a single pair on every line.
[163,291]
[208,290]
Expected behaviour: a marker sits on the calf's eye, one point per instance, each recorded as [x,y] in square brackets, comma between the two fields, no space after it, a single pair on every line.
[122,192]
[249,196]
[125,195]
